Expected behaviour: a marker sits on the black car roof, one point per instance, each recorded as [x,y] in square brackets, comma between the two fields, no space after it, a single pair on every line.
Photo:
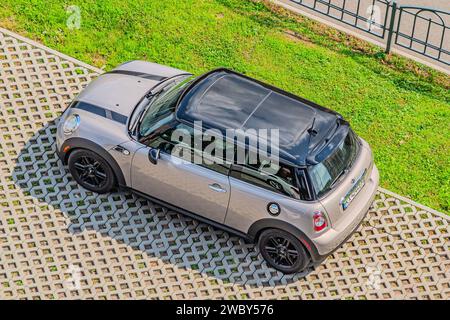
[223,99]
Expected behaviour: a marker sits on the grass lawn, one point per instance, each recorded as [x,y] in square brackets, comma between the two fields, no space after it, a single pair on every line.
[401,108]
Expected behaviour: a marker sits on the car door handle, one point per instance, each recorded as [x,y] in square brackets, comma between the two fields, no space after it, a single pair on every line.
[216,187]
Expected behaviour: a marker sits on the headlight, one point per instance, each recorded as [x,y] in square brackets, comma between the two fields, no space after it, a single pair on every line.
[71,124]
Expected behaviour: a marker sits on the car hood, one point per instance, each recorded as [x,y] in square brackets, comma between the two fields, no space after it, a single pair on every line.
[122,88]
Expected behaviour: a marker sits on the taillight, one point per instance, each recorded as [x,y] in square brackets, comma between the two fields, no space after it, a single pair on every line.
[319,221]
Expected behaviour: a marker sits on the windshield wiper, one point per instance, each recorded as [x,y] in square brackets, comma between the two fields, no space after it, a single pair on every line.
[152,93]
[163,86]
[312,132]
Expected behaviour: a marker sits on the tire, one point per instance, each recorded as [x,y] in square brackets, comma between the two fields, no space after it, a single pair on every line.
[91,171]
[286,253]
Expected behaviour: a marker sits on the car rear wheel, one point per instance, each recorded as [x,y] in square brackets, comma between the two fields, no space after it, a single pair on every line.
[283,251]
[91,171]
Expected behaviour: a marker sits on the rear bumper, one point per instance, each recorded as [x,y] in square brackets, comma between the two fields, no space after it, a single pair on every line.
[335,237]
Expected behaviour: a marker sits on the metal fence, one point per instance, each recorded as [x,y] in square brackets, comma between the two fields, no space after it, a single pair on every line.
[424,30]
[367,16]
[418,29]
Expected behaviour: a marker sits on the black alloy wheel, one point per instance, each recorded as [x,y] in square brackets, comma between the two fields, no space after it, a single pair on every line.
[91,171]
[283,251]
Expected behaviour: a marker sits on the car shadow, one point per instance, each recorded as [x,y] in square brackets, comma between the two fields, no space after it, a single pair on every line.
[144,226]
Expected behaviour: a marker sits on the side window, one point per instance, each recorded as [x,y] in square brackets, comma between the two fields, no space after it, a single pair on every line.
[184,145]
[162,138]
[213,153]
[280,178]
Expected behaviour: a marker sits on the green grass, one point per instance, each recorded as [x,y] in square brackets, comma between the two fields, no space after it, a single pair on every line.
[399,107]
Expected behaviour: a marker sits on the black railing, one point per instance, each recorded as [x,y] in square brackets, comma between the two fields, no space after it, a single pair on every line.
[367,15]
[424,30]
[419,29]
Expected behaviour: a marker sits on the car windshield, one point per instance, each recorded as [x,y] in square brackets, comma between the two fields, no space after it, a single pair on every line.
[161,107]
[326,173]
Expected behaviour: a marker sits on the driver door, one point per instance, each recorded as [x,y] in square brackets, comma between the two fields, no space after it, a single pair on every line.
[199,189]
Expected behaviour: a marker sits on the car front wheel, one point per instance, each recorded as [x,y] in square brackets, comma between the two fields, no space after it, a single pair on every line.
[283,251]
[91,171]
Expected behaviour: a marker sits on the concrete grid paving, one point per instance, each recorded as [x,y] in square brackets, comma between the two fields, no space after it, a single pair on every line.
[59,241]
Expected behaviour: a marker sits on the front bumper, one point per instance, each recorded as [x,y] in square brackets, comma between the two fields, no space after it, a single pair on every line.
[60,155]
[335,237]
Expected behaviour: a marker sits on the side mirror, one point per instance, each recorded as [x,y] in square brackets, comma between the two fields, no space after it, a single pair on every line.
[153,155]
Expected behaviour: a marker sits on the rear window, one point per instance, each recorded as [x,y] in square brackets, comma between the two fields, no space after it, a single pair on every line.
[326,173]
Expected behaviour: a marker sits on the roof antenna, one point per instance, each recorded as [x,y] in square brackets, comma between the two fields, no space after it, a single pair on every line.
[312,131]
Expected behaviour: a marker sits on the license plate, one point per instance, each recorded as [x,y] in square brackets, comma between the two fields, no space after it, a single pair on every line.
[351,194]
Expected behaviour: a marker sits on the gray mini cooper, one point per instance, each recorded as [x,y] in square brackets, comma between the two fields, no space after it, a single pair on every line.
[120,132]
